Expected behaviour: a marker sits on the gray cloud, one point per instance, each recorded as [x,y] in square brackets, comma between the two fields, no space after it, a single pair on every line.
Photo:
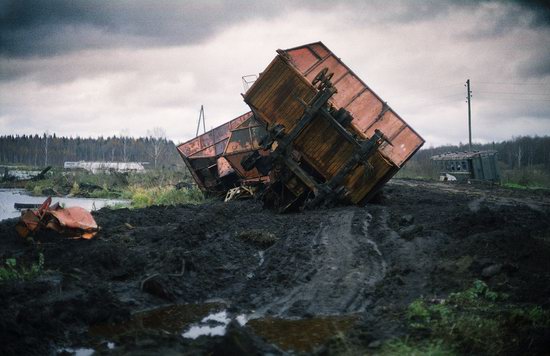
[45,28]
[537,65]
[95,68]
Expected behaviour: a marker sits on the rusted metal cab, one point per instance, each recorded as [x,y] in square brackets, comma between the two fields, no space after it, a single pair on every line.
[329,136]
[243,140]
[203,157]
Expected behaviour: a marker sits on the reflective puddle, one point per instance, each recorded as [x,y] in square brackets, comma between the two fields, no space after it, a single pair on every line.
[194,320]
[171,319]
[302,335]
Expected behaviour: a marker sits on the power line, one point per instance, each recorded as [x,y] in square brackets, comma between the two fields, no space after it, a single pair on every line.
[511,83]
[515,93]
[468,97]
[425,99]
[438,87]
[514,99]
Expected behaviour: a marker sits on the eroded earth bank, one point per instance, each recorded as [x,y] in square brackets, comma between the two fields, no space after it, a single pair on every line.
[376,280]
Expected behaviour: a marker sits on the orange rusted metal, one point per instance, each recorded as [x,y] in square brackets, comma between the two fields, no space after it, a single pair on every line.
[202,153]
[72,222]
[243,140]
[368,110]
[344,142]
[316,134]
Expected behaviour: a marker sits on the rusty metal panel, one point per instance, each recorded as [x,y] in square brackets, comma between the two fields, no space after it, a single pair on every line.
[210,138]
[280,97]
[224,167]
[356,97]
[334,66]
[273,96]
[235,161]
[202,152]
[361,183]
[323,148]
[243,140]
[304,58]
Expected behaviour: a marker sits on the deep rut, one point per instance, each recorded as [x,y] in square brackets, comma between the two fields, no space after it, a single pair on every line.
[344,269]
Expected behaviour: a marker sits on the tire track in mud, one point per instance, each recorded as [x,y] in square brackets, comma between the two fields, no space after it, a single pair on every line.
[495,195]
[344,267]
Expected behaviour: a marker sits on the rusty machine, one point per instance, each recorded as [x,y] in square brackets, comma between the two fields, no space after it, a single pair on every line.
[316,135]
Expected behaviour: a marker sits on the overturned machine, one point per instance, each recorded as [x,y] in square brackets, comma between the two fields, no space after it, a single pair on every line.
[316,135]
[74,222]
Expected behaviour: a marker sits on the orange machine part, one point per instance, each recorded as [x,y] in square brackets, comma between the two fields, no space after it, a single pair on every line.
[73,221]
[367,108]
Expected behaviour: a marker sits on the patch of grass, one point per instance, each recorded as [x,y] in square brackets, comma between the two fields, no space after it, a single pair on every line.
[467,320]
[75,189]
[512,185]
[534,177]
[11,271]
[414,348]
[258,237]
[105,193]
[117,206]
[144,197]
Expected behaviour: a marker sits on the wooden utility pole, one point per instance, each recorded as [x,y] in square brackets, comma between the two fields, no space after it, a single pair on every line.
[47,136]
[201,117]
[469,97]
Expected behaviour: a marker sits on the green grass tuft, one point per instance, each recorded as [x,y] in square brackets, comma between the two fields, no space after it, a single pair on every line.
[408,347]
[12,272]
[467,320]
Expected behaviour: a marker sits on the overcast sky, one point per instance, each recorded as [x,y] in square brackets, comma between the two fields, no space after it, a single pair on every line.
[93,68]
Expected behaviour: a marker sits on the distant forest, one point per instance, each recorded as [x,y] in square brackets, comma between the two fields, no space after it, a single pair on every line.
[524,160]
[39,151]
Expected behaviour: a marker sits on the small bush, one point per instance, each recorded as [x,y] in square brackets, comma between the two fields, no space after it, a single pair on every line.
[143,197]
[11,271]
[414,348]
[468,319]
[75,189]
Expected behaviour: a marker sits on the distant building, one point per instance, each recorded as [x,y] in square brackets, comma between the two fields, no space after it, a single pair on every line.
[95,167]
[477,165]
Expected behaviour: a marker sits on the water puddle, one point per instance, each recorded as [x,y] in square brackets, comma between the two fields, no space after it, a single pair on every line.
[211,319]
[171,319]
[213,325]
[302,335]
[10,196]
[76,351]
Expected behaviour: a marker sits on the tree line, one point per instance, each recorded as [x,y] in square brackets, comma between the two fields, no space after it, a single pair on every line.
[519,152]
[51,150]
[521,159]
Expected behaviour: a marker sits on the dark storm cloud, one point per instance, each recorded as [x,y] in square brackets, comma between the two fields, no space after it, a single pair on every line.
[45,28]
[537,66]
[540,10]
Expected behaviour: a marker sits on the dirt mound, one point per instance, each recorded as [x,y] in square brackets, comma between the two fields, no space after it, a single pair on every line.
[372,262]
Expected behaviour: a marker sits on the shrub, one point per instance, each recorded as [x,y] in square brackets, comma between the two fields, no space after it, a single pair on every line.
[414,348]
[11,270]
[468,319]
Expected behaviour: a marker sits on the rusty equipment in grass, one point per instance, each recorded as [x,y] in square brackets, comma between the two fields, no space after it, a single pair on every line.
[73,221]
[316,135]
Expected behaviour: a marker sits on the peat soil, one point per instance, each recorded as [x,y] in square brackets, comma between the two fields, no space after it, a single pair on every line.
[420,239]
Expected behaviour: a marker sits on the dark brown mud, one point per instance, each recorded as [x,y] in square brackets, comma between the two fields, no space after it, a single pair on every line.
[366,264]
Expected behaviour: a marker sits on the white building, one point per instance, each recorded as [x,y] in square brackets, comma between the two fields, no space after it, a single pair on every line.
[95,167]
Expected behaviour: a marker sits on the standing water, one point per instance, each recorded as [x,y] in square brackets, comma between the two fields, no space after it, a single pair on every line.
[10,196]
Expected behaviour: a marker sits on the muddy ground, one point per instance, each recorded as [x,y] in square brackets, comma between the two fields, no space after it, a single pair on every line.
[357,267]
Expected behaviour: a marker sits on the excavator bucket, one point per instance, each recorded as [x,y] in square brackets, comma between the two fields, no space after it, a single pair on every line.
[73,222]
